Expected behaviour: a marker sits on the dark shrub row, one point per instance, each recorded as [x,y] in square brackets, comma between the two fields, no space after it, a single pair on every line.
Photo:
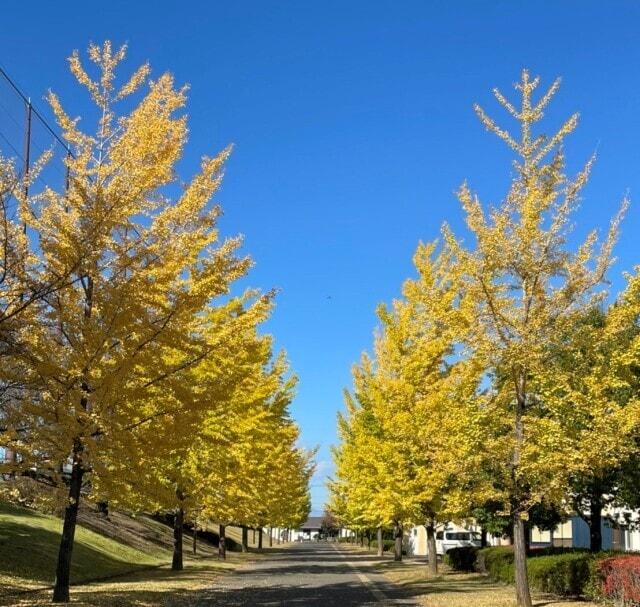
[462,559]
[566,573]
[561,571]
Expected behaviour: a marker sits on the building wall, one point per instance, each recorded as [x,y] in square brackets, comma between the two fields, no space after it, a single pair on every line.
[416,541]
[574,533]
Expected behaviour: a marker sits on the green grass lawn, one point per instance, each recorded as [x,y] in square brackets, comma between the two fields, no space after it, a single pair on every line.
[29,546]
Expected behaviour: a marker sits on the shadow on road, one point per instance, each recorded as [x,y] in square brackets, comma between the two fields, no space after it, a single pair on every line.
[311,576]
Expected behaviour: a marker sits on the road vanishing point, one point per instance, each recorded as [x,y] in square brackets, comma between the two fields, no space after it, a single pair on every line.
[308,575]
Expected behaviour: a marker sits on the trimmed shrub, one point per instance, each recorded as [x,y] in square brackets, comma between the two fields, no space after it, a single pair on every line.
[462,559]
[617,579]
[497,562]
[563,574]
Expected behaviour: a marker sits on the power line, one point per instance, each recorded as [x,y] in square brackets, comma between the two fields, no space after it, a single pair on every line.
[18,155]
[27,101]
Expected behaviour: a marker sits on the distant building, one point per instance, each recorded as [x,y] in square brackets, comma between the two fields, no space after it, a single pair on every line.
[574,533]
[447,536]
[310,530]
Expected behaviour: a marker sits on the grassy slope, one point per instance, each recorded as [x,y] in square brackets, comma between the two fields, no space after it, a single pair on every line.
[29,545]
[104,547]
[235,533]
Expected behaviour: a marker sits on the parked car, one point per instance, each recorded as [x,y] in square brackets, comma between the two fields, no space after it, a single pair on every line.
[449,539]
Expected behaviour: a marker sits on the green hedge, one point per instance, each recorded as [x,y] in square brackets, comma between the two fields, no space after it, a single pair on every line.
[462,559]
[563,574]
[497,562]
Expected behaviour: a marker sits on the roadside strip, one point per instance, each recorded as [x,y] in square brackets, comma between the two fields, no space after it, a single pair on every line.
[366,581]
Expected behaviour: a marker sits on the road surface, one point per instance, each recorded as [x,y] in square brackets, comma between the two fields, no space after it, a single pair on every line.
[307,575]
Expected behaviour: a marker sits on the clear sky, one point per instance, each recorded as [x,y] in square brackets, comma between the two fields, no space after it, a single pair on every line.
[353,127]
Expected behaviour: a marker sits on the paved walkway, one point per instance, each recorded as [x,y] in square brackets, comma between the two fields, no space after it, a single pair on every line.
[307,575]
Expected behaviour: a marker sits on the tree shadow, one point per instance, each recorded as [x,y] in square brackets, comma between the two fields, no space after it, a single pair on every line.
[31,552]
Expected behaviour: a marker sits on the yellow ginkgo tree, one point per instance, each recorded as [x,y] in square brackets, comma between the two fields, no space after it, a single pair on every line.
[596,384]
[166,462]
[150,263]
[402,438]
[524,283]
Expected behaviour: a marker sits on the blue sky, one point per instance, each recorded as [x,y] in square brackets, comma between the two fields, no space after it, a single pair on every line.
[353,127]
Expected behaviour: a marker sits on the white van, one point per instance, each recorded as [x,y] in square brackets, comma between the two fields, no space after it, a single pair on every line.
[449,538]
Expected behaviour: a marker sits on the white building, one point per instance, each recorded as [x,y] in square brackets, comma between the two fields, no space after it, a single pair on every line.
[574,533]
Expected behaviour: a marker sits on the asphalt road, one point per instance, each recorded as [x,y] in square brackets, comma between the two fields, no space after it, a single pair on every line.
[307,575]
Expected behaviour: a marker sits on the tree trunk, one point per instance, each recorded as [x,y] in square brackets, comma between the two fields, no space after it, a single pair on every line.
[520,563]
[103,509]
[368,539]
[523,593]
[397,547]
[278,535]
[63,568]
[595,522]
[178,522]
[222,543]
[195,538]
[253,539]
[483,537]
[431,548]
[260,538]
[361,540]
[270,537]
[245,539]
[380,542]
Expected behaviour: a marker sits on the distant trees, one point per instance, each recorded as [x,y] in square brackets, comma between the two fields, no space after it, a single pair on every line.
[497,388]
[133,365]
[401,447]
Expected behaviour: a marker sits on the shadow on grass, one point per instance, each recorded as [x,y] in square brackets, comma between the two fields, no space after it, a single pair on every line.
[149,587]
[414,578]
[31,552]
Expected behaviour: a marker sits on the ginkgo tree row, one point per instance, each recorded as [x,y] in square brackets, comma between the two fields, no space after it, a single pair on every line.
[125,353]
[502,382]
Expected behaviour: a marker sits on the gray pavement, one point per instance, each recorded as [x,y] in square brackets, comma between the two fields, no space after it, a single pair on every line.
[307,575]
